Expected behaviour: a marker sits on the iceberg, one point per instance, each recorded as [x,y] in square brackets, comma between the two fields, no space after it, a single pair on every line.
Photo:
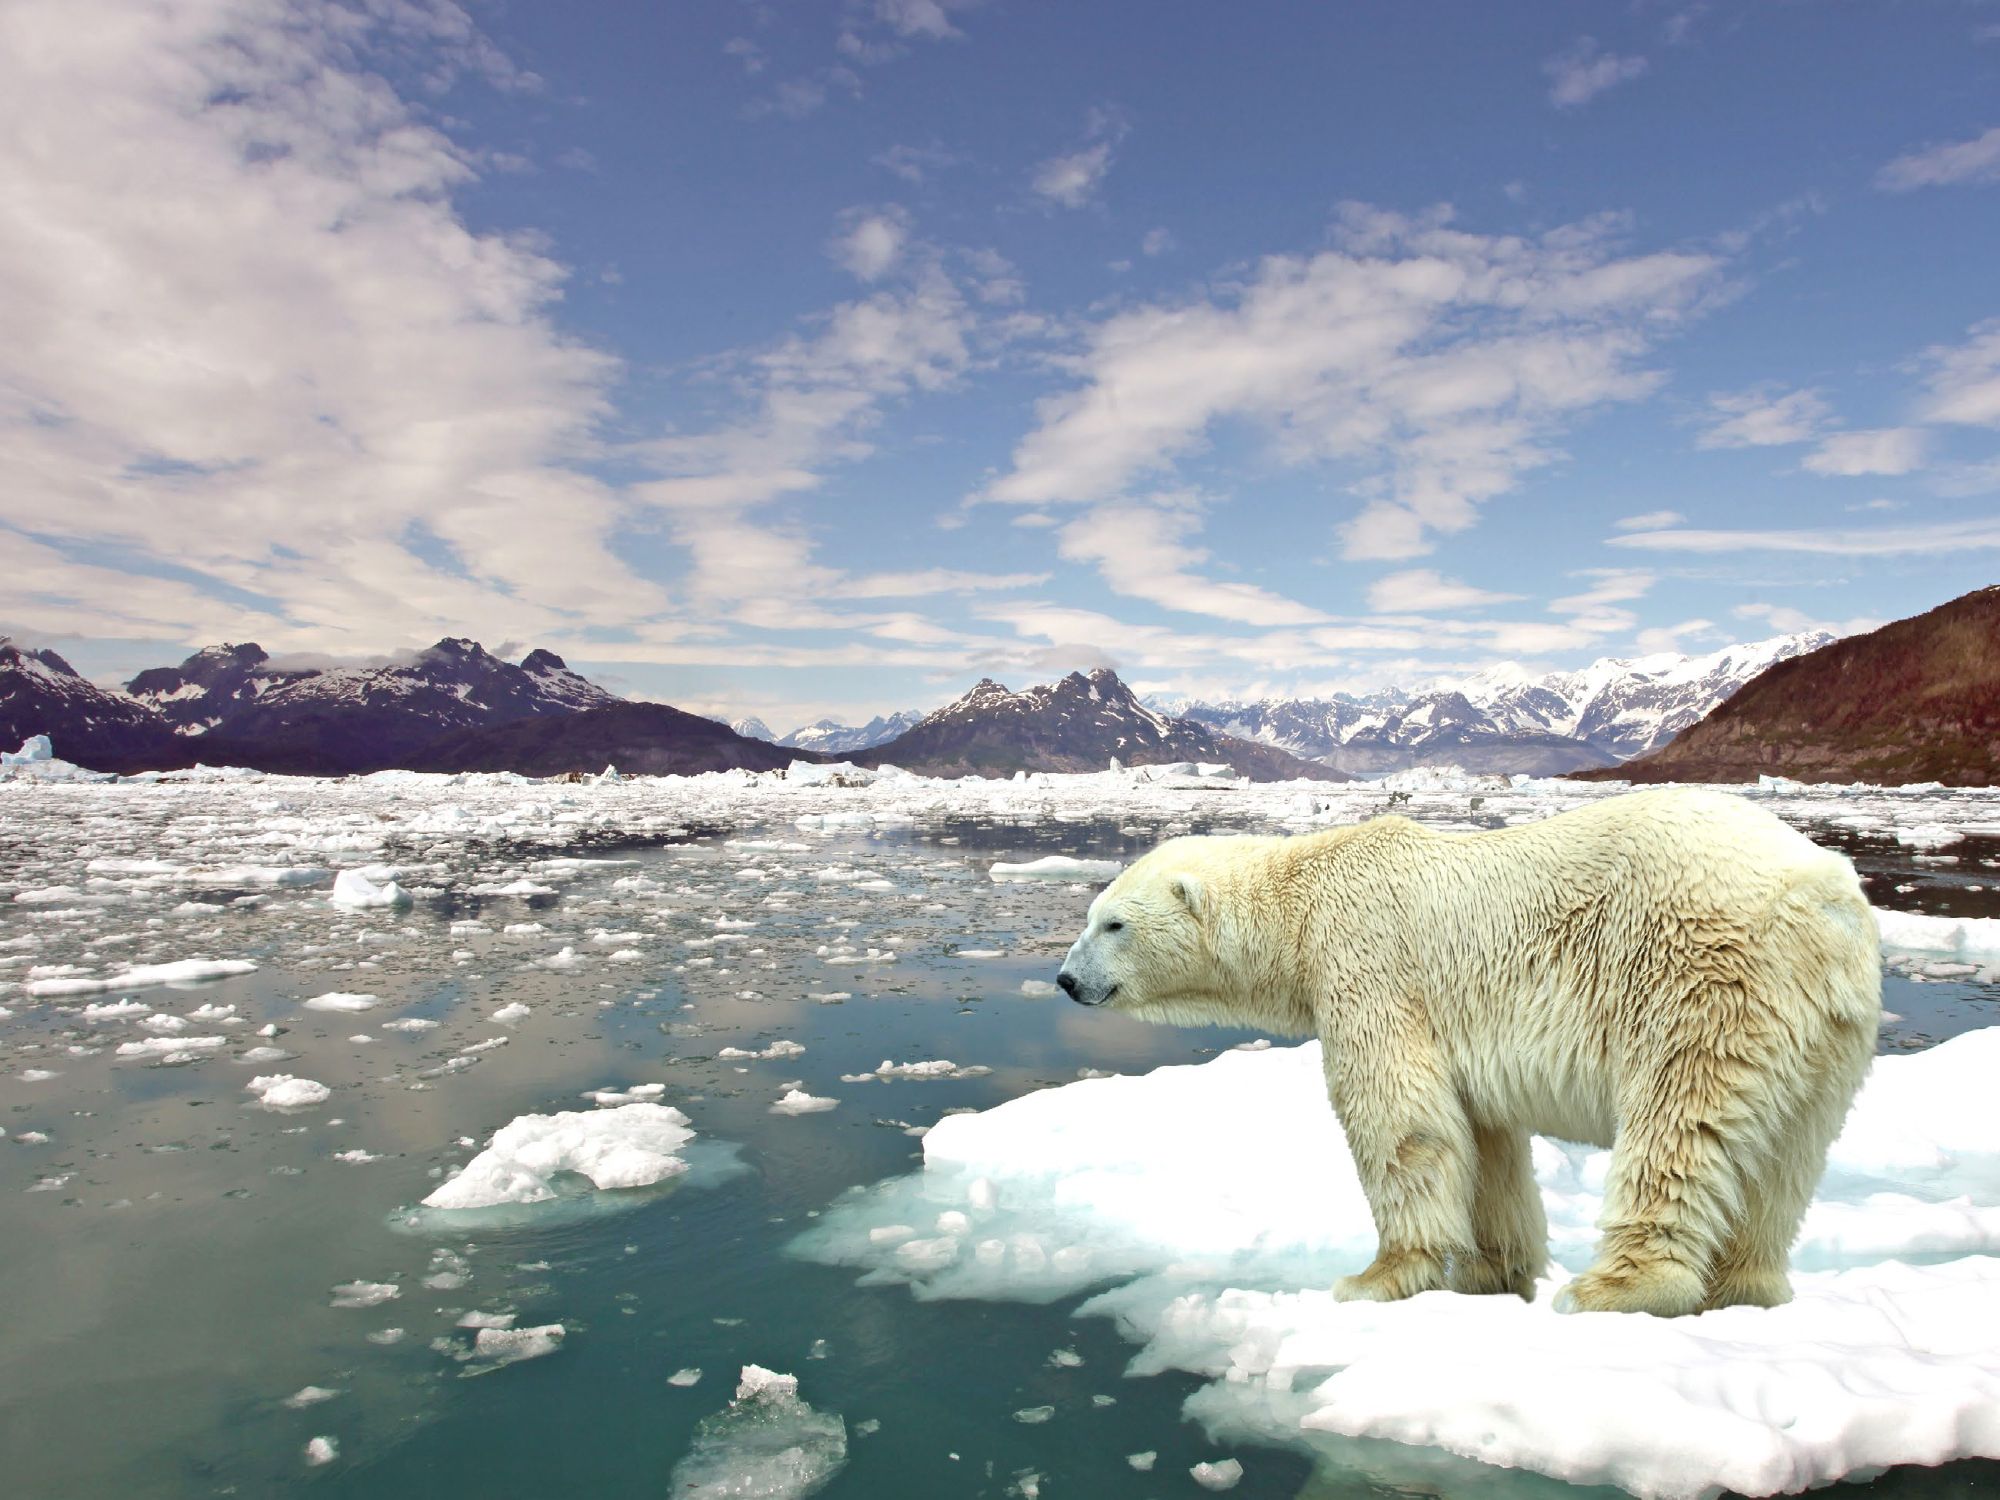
[766,1444]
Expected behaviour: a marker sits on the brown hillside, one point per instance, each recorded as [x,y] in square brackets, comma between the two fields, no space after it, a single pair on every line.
[1918,700]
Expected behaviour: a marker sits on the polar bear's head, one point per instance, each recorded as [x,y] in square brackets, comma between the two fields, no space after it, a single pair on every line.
[1157,939]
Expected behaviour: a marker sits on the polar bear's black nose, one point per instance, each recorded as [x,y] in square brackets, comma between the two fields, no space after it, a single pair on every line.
[1066,981]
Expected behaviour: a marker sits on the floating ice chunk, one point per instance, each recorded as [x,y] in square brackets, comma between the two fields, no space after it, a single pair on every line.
[798,1102]
[356,1156]
[146,976]
[1913,932]
[165,1024]
[353,889]
[1929,836]
[630,1146]
[686,1377]
[365,1293]
[521,887]
[36,747]
[322,1450]
[767,1444]
[38,1075]
[1874,1363]
[507,1346]
[783,1047]
[1037,989]
[410,1023]
[258,1056]
[514,1011]
[1056,867]
[934,1068]
[1034,1416]
[338,1000]
[309,1395]
[1143,1462]
[1223,1475]
[283,1091]
[114,1010]
[162,1046]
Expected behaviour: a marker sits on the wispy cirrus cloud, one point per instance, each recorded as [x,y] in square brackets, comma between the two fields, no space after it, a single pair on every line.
[1880,541]
[1073,178]
[1945,164]
[1441,363]
[1764,417]
[1583,70]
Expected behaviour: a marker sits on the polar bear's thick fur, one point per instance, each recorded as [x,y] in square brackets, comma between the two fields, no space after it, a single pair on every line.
[1675,974]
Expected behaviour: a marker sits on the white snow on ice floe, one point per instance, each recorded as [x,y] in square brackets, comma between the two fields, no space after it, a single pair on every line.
[146,976]
[353,889]
[508,1346]
[629,1146]
[1167,1183]
[766,1443]
[1056,867]
[798,1102]
[340,1001]
[283,1091]
[1913,932]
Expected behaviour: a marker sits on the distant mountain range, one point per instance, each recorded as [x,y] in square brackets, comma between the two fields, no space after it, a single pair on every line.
[1917,700]
[1506,719]
[1081,723]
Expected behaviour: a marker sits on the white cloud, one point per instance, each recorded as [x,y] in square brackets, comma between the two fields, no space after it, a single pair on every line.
[916,163]
[1763,418]
[252,345]
[869,242]
[1885,541]
[1677,638]
[1881,450]
[1970,161]
[1157,242]
[1787,620]
[1650,520]
[1581,71]
[1609,586]
[1441,362]
[1964,379]
[1142,551]
[1073,178]
[1422,589]
[930,19]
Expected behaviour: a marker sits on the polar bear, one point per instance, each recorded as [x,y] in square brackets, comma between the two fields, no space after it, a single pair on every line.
[1674,974]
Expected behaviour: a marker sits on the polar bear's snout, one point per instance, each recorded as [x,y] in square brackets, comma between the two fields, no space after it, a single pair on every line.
[1082,992]
[1083,977]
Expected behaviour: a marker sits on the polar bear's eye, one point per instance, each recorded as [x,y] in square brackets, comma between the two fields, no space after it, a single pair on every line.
[1114,926]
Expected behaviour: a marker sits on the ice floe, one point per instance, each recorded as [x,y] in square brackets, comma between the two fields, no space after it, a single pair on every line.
[353,889]
[1055,867]
[147,976]
[627,1146]
[282,1091]
[766,1443]
[1219,1249]
[798,1102]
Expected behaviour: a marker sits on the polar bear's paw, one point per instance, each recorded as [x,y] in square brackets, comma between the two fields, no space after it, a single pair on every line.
[1392,1276]
[1488,1273]
[1664,1288]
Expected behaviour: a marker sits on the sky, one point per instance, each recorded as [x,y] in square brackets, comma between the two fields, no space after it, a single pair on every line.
[820,358]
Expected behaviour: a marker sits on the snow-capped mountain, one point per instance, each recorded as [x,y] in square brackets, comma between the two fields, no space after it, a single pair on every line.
[40,693]
[1078,724]
[354,718]
[831,737]
[753,728]
[1508,719]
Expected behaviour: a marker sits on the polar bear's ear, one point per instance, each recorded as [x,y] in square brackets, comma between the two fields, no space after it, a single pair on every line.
[1187,890]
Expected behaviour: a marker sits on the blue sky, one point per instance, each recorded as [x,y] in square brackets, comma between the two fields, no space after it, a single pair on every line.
[821,358]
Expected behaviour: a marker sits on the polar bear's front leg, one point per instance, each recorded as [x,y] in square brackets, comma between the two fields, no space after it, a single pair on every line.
[1413,1150]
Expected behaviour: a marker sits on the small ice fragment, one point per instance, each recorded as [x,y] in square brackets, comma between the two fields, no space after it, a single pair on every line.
[353,889]
[685,1377]
[508,1014]
[1037,989]
[339,1001]
[321,1450]
[355,1156]
[1033,1415]
[1143,1462]
[309,1395]
[364,1293]
[766,1443]
[798,1102]
[387,1336]
[283,1091]
[1056,867]
[1225,1474]
[1065,1359]
[506,1346]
